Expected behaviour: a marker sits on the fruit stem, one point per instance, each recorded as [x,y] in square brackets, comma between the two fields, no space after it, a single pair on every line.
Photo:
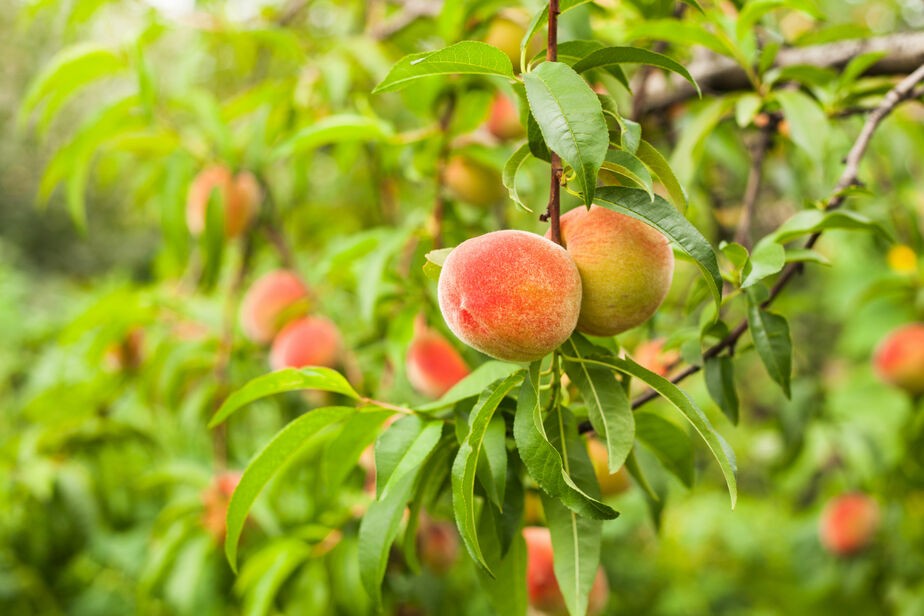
[553,210]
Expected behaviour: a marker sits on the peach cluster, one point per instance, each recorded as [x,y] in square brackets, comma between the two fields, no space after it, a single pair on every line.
[273,309]
[517,296]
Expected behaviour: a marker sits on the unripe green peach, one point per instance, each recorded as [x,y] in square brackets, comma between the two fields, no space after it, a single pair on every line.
[311,341]
[504,119]
[506,32]
[473,182]
[610,484]
[848,523]
[899,358]
[510,294]
[433,365]
[626,268]
[268,302]
[542,587]
[239,196]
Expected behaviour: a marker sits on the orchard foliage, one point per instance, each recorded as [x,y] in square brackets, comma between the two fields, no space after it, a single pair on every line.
[268,411]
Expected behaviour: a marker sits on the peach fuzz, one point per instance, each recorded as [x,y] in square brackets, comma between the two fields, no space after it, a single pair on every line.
[610,484]
[311,341]
[626,268]
[899,358]
[239,195]
[504,119]
[542,587]
[473,182]
[848,523]
[510,294]
[267,301]
[433,365]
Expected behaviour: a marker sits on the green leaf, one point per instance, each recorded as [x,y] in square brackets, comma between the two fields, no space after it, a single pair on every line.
[467,57]
[466,464]
[746,108]
[434,262]
[720,381]
[535,140]
[342,452]
[542,460]
[277,453]
[609,56]
[811,221]
[755,9]
[511,167]
[473,384]
[683,403]
[767,259]
[377,531]
[280,381]
[334,129]
[665,218]
[630,135]
[808,124]
[628,165]
[507,590]
[407,458]
[607,403]
[67,72]
[670,444]
[681,33]
[492,464]
[266,571]
[685,160]
[649,155]
[571,120]
[770,333]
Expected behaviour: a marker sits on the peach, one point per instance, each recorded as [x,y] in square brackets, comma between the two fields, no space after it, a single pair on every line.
[626,268]
[610,484]
[310,341]
[239,195]
[268,301]
[510,294]
[215,500]
[848,523]
[433,365]
[651,355]
[504,119]
[541,584]
[899,358]
[473,182]
[437,544]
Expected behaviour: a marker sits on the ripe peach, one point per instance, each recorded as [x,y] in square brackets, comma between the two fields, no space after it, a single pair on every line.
[848,523]
[618,482]
[899,358]
[437,544]
[626,268]
[310,341]
[541,584]
[504,119]
[215,500]
[510,294]
[473,182]
[268,302]
[651,354]
[433,365]
[239,195]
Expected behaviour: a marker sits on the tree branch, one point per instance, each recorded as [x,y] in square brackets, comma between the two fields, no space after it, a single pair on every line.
[755,179]
[905,90]
[714,73]
[553,210]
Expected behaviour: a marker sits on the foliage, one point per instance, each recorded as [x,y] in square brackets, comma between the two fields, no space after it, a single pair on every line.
[123,403]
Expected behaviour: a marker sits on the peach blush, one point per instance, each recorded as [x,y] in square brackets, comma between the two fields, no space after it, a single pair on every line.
[510,294]
[267,301]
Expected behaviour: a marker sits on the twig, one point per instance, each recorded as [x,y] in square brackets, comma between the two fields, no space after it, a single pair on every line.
[553,210]
[905,90]
[904,53]
[413,10]
[755,179]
